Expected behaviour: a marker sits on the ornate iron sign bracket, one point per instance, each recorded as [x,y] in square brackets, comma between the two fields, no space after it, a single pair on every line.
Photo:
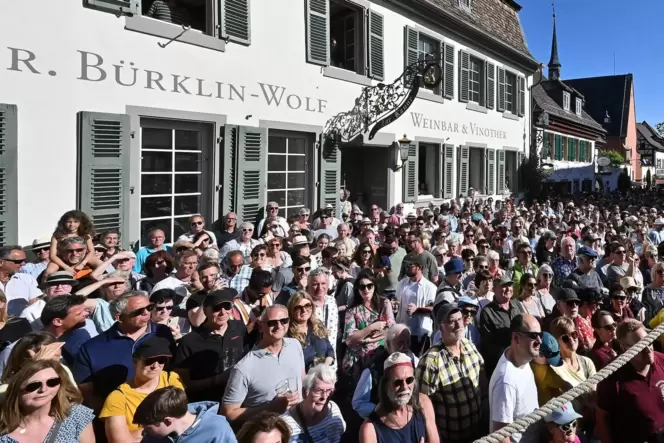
[383,104]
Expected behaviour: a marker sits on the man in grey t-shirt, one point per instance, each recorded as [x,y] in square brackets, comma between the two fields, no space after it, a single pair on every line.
[269,377]
[623,265]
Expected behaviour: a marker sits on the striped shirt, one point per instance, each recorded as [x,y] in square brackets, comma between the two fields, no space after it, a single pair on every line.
[329,430]
[161,10]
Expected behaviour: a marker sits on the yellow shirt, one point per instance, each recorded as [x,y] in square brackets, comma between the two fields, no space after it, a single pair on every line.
[549,384]
[124,400]
[656,321]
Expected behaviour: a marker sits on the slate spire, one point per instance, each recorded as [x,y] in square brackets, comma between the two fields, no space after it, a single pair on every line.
[554,63]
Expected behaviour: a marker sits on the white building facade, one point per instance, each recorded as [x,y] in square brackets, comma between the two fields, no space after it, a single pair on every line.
[141,123]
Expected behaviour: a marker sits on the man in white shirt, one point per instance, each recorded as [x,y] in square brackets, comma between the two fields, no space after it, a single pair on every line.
[512,389]
[57,283]
[197,225]
[415,295]
[20,289]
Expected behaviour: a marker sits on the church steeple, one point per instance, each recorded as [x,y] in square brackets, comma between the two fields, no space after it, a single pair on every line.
[554,63]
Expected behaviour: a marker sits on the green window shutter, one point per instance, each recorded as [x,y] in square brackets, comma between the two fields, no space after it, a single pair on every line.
[490,69]
[491,171]
[330,175]
[8,174]
[464,75]
[411,39]
[438,170]
[571,149]
[118,7]
[448,189]
[582,150]
[522,95]
[559,147]
[464,157]
[235,20]
[229,181]
[376,46]
[546,146]
[103,169]
[501,89]
[251,172]
[501,171]
[520,159]
[318,32]
[448,71]
[410,179]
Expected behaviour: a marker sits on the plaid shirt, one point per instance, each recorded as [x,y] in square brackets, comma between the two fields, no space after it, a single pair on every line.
[241,280]
[453,384]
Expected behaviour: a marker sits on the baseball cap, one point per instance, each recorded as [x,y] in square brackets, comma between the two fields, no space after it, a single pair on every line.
[567,294]
[415,260]
[454,265]
[589,295]
[220,296]
[503,280]
[629,282]
[464,300]
[550,350]
[589,252]
[397,359]
[563,415]
[152,347]
[445,310]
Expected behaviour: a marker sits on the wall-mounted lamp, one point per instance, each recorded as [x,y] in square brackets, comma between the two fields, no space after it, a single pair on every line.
[404,148]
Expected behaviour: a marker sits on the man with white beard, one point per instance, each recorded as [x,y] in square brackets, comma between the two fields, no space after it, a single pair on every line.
[402,414]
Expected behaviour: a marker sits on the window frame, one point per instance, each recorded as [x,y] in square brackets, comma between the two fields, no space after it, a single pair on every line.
[466,5]
[511,83]
[579,106]
[566,101]
[481,80]
[361,49]
[437,46]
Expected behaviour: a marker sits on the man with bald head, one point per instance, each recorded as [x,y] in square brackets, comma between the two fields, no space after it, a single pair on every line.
[512,390]
[269,377]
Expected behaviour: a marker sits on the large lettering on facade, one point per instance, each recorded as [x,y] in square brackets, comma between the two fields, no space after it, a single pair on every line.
[94,68]
[421,121]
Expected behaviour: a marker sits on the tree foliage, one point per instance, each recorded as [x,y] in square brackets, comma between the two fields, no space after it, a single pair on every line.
[624,182]
[532,176]
[648,179]
[660,128]
[616,158]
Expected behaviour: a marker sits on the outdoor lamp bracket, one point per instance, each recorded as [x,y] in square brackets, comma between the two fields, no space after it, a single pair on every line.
[404,148]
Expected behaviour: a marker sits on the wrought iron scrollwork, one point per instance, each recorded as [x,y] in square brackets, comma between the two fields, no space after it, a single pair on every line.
[383,103]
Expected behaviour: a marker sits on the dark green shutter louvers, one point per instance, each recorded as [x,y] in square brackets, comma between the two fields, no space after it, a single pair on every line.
[229,180]
[501,89]
[376,50]
[330,174]
[491,167]
[251,172]
[464,158]
[235,20]
[522,95]
[464,75]
[448,72]
[318,32]
[449,171]
[490,85]
[412,37]
[410,182]
[104,163]
[8,174]
[501,171]
[118,7]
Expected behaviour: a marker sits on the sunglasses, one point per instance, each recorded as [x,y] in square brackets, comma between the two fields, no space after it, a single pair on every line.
[527,252]
[302,308]
[368,286]
[163,308]
[567,338]
[621,252]
[366,251]
[568,427]
[248,230]
[619,297]
[610,328]
[273,208]
[532,335]
[140,311]
[35,385]
[547,275]
[162,360]
[305,269]
[225,305]
[72,251]
[531,284]
[198,223]
[468,312]
[19,261]
[41,249]
[274,323]
[261,255]
[398,383]
[573,303]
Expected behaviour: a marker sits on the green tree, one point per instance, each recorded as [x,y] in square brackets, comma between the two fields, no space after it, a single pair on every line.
[660,128]
[648,180]
[532,176]
[624,182]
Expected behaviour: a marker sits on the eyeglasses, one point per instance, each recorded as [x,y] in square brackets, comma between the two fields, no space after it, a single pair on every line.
[248,230]
[303,308]
[482,267]
[568,427]
[75,251]
[468,312]
[162,359]
[527,252]
[621,252]
[274,323]
[163,308]
[573,303]
[259,255]
[304,269]
[231,219]
[275,245]
[619,297]
[366,251]
[198,223]
[225,305]
[532,335]
[35,385]
[567,338]
[547,275]
[398,383]
[140,311]
[367,287]
[609,328]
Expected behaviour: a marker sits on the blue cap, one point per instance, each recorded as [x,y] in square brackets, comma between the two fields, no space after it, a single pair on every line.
[550,350]
[563,415]
[585,250]
[465,300]
[454,265]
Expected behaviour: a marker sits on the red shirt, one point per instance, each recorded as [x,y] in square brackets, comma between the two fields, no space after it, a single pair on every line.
[586,334]
[635,404]
[602,355]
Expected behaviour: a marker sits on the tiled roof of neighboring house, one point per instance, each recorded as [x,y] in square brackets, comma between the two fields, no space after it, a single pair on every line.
[607,94]
[543,94]
[651,135]
[496,18]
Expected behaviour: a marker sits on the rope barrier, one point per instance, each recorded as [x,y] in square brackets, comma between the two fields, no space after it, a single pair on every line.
[523,423]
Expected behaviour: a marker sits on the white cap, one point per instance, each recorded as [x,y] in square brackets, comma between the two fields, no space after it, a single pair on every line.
[397,359]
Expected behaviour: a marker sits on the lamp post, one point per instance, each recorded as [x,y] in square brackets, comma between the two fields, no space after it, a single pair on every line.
[404,148]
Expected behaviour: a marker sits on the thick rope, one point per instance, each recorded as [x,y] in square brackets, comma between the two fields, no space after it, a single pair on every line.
[521,424]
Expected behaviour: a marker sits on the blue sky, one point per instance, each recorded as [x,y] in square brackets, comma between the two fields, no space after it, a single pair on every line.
[590,31]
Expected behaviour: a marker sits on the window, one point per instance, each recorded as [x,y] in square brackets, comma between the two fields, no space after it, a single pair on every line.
[510,92]
[346,37]
[427,49]
[546,146]
[175,174]
[477,169]
[206,23]
[430,170]
[476,80]
[287,175]
[465,4]
[566,100]
[579,106]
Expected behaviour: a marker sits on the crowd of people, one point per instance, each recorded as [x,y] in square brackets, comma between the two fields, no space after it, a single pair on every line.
[438,324]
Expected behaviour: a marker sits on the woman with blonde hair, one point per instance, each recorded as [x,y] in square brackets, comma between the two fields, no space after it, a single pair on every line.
[305,327]
[41,404]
